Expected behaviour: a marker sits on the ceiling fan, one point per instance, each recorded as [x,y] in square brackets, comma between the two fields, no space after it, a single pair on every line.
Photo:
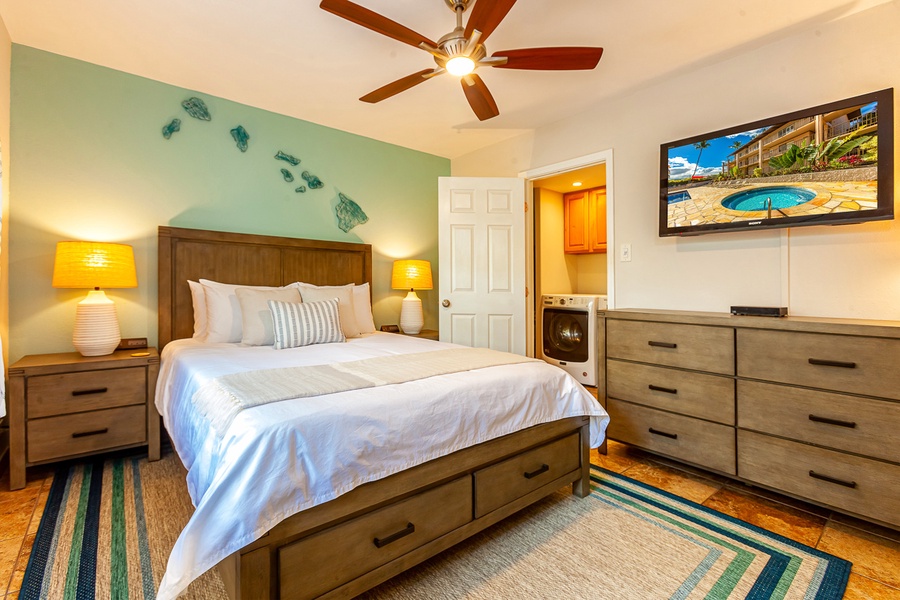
[462,50]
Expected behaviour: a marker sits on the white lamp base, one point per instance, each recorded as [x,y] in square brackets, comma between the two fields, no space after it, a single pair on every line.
[96,325]
[411,317]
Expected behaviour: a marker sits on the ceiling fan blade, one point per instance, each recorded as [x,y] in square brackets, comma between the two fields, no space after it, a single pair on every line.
[479,97]
[486,15]
[401,85]
[374,21]
[550,59]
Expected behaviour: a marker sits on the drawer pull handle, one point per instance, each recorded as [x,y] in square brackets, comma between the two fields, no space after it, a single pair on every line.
[817,419]
[87,433]
[673,436]
[536,472]
[662,344]
[849,484]
[102,390]
[382,542]
[832,363]
[657,388]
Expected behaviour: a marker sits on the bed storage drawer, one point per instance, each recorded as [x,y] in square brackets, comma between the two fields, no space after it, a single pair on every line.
[851,423]
[699,442]
[514,477]
[54,438]
[858,485]
[707,397]
[66,393]
[854,364]
[697,347]
[373,539]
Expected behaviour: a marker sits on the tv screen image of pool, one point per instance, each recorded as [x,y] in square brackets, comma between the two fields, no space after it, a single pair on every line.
[830,164]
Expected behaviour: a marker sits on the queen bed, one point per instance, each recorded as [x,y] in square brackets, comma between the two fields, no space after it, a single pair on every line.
[391,449]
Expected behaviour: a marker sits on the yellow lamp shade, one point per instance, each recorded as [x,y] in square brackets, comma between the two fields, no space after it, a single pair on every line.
[94,265]
[411,275]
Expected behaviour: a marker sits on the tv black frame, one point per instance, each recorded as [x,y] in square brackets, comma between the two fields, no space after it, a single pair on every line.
[885,210]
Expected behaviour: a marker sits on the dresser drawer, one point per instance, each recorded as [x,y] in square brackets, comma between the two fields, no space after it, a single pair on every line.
[859,365]
[859,425]
[66,393]
[373,539]
[58,437]
[709,397]
[697,347]
[511,479]
[858,485]
[699,442]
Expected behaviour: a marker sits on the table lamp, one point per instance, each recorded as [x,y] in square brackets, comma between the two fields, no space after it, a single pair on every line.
[94,265]
[411,275]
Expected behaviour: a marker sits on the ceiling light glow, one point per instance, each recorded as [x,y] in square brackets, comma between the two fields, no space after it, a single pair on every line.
[460,65]
[576,184]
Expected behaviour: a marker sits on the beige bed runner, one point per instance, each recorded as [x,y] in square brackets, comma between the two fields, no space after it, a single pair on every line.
[221,399]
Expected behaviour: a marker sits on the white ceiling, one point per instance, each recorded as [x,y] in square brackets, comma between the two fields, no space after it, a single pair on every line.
[291,57]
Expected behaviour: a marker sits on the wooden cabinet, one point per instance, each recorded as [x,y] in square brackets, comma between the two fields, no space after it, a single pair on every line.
[67,405]
[584,217]
[807,407]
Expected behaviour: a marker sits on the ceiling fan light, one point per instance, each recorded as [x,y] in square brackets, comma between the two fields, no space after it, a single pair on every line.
[460,65]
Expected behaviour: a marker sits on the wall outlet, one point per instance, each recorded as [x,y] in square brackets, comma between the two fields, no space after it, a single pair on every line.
[625,253]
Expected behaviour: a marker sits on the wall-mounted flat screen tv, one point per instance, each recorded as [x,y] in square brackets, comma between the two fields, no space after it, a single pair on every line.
[827,165]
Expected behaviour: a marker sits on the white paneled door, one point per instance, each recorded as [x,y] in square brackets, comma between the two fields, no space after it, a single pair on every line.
[482,262]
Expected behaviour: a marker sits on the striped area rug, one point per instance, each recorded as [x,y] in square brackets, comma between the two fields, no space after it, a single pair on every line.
[108,528]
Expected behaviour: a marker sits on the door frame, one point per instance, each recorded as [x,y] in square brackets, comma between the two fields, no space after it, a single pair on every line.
[589,160]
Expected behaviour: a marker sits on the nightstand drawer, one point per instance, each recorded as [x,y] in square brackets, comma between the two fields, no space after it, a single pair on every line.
[68,393]
[54,438]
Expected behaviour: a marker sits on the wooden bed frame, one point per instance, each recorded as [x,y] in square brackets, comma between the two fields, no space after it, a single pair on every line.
[348,545]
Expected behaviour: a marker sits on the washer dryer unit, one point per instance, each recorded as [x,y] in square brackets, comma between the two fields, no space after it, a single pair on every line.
[569,333]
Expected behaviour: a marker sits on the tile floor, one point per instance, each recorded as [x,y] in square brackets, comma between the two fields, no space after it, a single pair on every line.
[874,551]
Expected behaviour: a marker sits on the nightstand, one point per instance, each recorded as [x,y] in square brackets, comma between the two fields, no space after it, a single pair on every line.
[66,405]
[428,334]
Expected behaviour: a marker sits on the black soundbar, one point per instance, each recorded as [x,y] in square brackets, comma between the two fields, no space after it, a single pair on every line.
[760,311]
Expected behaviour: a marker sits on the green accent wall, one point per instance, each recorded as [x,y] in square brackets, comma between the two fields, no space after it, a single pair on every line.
[90,162]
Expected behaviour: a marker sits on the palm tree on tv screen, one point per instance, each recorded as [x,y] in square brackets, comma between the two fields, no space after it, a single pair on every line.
[699,146]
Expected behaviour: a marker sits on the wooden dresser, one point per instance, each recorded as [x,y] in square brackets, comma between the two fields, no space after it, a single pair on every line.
[808,407]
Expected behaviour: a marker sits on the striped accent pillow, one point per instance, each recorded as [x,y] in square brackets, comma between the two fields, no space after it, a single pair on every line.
[304,323]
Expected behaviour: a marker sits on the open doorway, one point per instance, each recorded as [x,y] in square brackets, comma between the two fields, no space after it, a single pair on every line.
[568,256]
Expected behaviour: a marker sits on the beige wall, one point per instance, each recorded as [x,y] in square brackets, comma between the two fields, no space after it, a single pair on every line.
[557,268]
[5,59]
[846,271]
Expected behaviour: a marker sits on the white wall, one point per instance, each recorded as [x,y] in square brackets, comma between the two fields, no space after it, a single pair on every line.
[847,271]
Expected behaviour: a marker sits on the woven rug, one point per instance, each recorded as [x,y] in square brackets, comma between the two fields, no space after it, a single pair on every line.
[109,526]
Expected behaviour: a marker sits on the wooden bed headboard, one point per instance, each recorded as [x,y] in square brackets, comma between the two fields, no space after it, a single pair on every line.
[249,260]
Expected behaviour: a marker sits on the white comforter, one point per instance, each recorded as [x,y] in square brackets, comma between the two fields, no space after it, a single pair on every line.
[278,459]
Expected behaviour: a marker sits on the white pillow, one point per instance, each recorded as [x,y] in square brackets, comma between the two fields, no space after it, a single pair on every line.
[304,323]
[362,307]
[344,293]
[198,301]
[256,318]
[362,302]
[223,311]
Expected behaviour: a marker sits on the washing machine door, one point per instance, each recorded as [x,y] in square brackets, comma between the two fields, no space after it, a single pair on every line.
[566,335]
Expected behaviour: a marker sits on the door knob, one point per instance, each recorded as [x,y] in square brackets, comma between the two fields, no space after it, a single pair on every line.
[445,303]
